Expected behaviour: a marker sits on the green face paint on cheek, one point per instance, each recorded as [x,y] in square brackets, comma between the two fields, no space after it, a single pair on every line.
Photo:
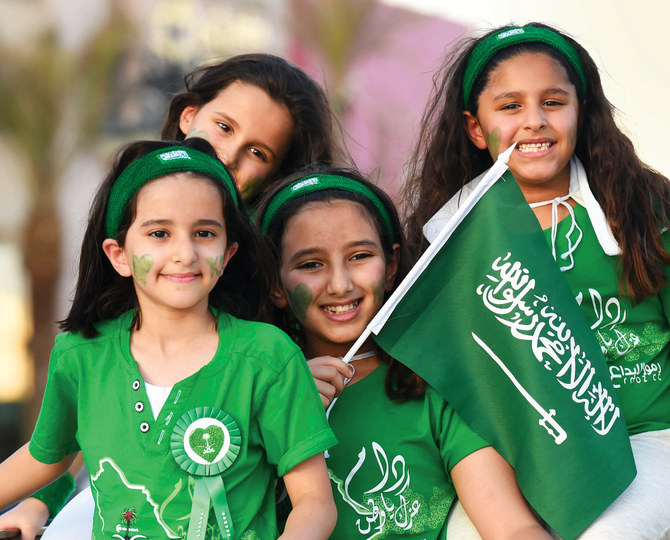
[493,141]
[215,265]
[141,267]
[299,299]
[573,135]
[378,290]
[251,187]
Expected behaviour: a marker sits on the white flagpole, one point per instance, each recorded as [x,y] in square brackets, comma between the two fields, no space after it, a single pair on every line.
[376,324]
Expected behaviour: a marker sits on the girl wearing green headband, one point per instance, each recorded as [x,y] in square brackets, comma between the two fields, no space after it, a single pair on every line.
[604,213]
[339,250]
[173,393]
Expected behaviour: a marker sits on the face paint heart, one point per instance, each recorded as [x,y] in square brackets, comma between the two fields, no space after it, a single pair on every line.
[207,443]
[141,267]
[300,299]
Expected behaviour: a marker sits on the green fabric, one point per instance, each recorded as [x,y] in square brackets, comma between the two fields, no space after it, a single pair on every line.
[634,339]
[390,472]
[486,49]
[168,160]
[553,414]
[321,182]
[56,494]
[258,376]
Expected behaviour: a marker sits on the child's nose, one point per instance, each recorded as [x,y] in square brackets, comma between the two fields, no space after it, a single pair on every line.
[536,117]
[230,156]
[184,251]
[340,280]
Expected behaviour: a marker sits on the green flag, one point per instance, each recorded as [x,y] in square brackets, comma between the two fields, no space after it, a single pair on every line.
[492,325]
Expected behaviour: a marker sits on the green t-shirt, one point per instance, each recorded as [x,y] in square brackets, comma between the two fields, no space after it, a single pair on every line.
[95,400]
[390,471]
[634,339]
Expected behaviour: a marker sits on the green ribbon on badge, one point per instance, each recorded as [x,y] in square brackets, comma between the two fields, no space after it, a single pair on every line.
[205,442]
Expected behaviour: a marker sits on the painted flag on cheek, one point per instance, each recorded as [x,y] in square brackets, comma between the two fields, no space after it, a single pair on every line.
[491,324]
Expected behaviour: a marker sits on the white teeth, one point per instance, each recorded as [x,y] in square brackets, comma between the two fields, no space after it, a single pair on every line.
[341,309]
[533,147]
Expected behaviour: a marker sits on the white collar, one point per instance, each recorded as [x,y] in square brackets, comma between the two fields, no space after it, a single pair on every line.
[579,191]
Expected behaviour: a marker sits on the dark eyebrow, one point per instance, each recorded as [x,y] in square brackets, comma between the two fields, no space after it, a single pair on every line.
[207,222]
[313,251]
[304,253]
[515,94]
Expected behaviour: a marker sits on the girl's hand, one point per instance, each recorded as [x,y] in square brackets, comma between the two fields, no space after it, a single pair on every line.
[329,374]
[29,516]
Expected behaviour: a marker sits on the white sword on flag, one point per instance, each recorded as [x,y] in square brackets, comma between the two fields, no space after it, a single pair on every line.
[547,421]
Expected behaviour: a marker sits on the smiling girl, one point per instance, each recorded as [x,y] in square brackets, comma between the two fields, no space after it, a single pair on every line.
[403,451]
[177,402]
[603,211]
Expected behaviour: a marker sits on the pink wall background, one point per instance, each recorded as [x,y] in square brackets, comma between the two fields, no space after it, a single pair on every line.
[387,88]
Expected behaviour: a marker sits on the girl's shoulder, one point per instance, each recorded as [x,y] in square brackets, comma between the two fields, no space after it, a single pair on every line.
[255,339]
[106,330]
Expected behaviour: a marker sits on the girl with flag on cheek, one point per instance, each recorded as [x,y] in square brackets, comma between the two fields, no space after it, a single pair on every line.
[403,451]
[177,403]
[603,211]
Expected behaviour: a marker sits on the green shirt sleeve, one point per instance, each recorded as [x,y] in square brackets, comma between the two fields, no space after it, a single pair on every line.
[292,418]
[454,437]
[54,435]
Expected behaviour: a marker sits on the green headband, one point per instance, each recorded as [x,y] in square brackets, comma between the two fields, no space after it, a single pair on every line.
[490,46]
[162,162]
[322,182]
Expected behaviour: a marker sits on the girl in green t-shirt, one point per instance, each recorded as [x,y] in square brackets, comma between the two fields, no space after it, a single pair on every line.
[403,452]
[264,117]
[174,397]
[604,212]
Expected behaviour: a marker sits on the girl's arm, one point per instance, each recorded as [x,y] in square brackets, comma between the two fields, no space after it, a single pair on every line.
[21,475]
[486,486]
[329,374]
[314,514]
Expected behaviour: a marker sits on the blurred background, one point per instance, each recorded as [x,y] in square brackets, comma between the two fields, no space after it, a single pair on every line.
[80,77]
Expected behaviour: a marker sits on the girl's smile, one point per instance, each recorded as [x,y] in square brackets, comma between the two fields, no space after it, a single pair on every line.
[181,278]
[529,100]
[342,311]
[334,274]
[250,132]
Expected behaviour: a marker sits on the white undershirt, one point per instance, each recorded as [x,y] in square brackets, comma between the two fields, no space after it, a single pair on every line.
[157,397]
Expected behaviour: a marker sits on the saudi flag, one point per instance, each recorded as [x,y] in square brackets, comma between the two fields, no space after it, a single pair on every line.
[491,324]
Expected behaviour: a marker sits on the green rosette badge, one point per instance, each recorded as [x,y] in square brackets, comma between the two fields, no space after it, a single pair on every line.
[205,442]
